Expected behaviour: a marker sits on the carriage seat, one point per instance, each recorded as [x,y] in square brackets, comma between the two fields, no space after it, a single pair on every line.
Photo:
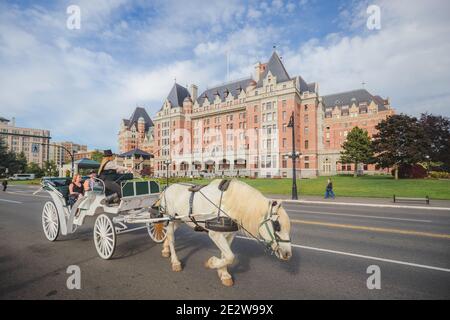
[197,187]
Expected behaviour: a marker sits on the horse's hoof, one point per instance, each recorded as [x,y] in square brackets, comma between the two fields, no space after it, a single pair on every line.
[227,282]
[176,267]
[165,254]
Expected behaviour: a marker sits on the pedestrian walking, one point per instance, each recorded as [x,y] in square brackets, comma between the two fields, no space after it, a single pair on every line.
[5,185]
[329,190]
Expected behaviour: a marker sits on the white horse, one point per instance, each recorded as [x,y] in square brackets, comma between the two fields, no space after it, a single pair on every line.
[255,215]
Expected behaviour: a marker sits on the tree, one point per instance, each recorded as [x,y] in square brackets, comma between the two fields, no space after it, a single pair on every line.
[97,156]
[34,168]
[18,163]
[357,149]
[437,133]
[400,141]
[50,169]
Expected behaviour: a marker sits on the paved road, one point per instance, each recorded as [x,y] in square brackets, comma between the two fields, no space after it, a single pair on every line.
[334,245]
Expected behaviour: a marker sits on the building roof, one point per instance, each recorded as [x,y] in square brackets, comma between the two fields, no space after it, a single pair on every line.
[350,97]
[177,95]
[276,67]
[136,152]
[139,112]
[229,87]
[3,119]
[87,163]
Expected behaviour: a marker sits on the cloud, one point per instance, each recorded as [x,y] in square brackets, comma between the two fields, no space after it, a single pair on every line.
[79,84]
[406,60]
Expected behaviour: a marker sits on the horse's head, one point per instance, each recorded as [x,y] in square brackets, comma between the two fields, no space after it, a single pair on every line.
[275,231]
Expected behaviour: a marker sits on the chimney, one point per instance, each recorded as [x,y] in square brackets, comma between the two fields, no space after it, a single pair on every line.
[259,70]
[194,92]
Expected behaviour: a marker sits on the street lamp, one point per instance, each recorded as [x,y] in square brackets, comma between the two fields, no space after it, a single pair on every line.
[167,163]
[294,155]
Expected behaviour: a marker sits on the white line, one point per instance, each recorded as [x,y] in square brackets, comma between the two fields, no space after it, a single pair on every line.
[367,205]
[360,215]
[12,201]
[364,257]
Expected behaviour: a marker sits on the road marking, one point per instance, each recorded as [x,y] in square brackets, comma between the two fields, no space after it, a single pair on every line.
[26,194]
[11,201]
[360,215]
[367,205]
[423,266]
[375,229]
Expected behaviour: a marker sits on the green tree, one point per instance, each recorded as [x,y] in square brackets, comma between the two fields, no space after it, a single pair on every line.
[3,155]
[50,169]
[357,149]
[18,163]
[97,156]
[34,168]
[400,141]
[437,133]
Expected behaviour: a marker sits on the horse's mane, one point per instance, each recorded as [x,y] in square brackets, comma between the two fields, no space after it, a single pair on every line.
[245,204]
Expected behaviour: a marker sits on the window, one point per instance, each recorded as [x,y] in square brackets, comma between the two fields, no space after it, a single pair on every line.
[284,115]
[306,144]
[306,165]
[256,119]
[306,107]
[284,142]
[283,104]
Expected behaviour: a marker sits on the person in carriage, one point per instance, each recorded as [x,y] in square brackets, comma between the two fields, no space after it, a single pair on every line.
[113,190]
[76,189]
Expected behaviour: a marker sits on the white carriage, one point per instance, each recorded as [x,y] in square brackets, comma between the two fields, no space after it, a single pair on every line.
[135,207]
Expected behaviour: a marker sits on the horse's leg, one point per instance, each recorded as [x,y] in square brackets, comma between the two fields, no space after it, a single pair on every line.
[226,259]
[176,264]
[223,272]
[166,248]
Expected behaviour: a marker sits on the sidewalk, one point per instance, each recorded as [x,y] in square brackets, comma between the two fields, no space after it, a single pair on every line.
[365,201]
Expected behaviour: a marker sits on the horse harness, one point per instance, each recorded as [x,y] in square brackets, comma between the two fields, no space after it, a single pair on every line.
[271,217]
[221,224]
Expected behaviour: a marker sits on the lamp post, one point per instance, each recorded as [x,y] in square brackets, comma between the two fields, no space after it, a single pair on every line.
[294,155]
[167,163]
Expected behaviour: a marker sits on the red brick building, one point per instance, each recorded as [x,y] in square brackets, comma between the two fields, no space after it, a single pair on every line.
[240,127]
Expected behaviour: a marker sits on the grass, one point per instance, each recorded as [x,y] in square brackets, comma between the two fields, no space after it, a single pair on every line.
[24,182]
[347,186]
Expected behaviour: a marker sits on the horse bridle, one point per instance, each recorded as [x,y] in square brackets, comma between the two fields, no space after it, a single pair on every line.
[272,217]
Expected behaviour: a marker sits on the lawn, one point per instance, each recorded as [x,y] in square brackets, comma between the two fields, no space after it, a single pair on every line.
[347,186]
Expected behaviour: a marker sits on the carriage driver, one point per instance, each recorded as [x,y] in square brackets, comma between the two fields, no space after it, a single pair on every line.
[112,188]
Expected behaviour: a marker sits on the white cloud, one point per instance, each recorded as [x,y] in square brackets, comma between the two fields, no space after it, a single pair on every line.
[406,60]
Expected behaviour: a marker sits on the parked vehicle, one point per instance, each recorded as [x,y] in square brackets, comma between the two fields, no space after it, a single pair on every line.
[23,176]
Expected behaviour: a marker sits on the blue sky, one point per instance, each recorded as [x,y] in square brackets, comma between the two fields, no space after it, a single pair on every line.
[80,83]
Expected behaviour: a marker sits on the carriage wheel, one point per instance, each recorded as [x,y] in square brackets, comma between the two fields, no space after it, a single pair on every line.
[104,236]
[158,231]
[50,221]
